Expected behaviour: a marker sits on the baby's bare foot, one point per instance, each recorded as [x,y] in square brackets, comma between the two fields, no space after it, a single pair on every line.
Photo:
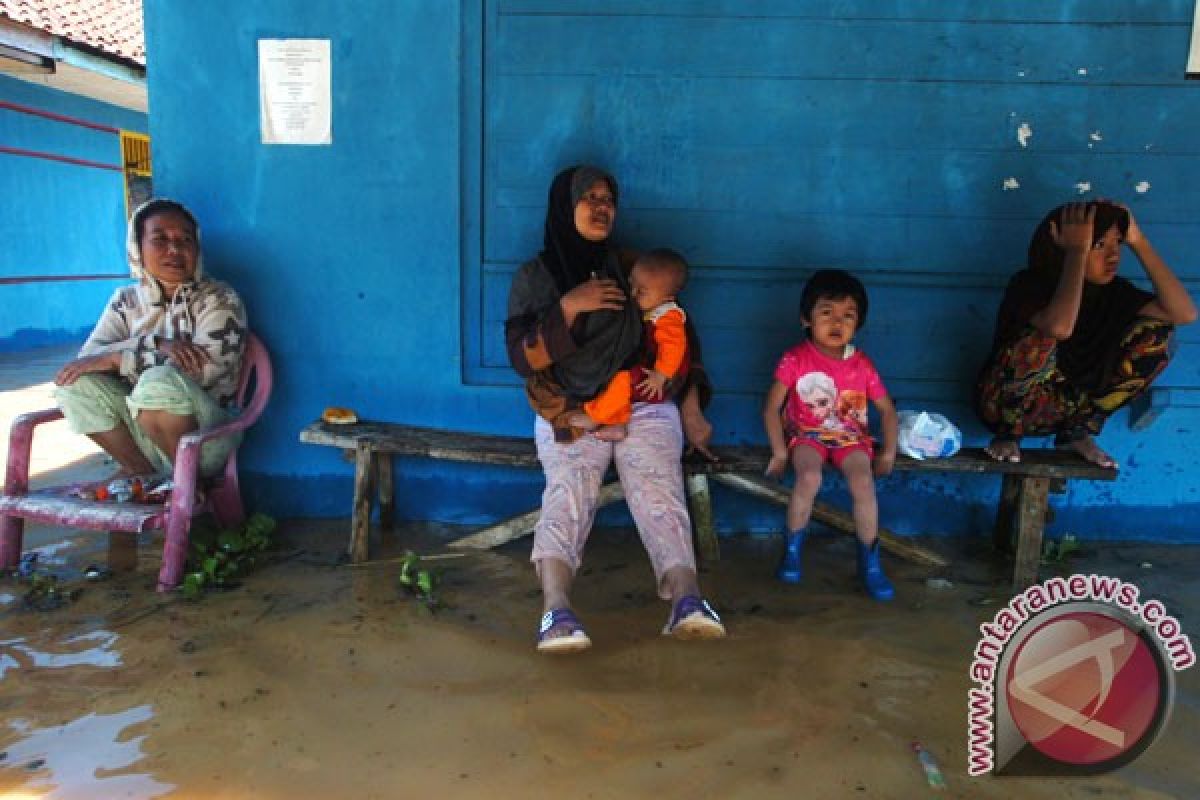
[611,433]
[578,419]
[1004,449]
[1087,447]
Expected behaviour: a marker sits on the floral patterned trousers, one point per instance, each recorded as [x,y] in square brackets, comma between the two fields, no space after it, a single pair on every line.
[1022,392]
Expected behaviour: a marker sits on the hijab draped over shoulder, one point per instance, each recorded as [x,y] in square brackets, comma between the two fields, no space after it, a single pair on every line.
[606,341]
[1105,312]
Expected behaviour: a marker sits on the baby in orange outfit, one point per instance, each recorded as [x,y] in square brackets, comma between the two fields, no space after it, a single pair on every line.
[656,278]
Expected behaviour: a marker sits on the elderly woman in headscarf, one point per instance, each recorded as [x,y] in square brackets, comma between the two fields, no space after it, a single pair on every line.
[1074,341]
[165,357]
[572,324]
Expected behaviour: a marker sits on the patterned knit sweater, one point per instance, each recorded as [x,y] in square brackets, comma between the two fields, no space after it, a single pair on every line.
[206,312]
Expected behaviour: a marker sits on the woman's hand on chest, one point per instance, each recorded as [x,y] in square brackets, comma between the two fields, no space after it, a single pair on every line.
[597,294]
[185,355]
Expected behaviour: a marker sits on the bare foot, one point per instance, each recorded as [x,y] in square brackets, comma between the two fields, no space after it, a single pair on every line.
[578,419]
[1087,447]
[610,433]
[1004,449]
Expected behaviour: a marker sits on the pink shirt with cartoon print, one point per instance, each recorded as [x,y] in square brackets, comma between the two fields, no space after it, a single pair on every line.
[827,397]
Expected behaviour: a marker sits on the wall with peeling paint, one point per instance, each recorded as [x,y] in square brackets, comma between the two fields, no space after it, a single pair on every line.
[915,142]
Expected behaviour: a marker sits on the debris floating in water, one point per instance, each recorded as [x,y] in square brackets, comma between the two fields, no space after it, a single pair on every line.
[932,773]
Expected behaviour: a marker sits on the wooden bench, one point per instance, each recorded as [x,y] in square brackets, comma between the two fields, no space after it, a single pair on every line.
[1021,515]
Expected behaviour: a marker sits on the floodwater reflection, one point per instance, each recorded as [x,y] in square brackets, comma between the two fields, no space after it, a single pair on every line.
[93,649]
[315,680]
[85,758]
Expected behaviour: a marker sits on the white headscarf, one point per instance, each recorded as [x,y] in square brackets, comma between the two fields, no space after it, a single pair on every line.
[133,248]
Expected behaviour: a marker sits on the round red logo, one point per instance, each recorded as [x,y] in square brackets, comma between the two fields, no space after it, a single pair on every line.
[1083,688]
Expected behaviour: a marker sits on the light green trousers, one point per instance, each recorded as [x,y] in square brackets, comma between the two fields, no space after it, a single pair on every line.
[97,403]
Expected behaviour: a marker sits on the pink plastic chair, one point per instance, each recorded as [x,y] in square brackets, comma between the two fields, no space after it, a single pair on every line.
[59,506]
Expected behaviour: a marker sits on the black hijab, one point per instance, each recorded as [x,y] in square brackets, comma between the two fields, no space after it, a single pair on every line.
[1105,312]
[569,258]
[607,341]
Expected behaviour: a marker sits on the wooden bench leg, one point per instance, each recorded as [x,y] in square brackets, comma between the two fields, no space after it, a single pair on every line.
[387,490]
[1031,521]
[360,521]
[700,508]
[1002,533]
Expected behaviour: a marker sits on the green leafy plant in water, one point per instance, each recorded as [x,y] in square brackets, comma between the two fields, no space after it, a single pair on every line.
[1058,551]
[417,581]
[217,557]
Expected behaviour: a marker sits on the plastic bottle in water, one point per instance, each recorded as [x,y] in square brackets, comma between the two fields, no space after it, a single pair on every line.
[932,774]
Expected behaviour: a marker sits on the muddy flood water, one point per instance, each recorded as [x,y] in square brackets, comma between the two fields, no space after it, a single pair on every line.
[317,680]
[314,680]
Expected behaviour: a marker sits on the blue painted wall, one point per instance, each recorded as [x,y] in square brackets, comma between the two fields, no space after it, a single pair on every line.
[57,218]
[914,142]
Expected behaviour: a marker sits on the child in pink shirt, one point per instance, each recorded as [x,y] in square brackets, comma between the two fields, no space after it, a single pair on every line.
[816,411]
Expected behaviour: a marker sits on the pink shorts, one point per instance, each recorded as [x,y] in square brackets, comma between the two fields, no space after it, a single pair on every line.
[834,455]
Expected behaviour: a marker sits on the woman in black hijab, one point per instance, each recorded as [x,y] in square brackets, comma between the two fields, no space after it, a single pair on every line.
[572,324]
[1074,341]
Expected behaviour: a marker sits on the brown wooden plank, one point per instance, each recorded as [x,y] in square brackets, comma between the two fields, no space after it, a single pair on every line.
[360,520]
[428,442]
[1034,462]
[700,510]
[519,451]
[827,515]
[738,466]
[1031,521]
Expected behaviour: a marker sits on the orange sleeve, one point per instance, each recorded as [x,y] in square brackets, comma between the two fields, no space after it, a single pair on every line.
[671,338]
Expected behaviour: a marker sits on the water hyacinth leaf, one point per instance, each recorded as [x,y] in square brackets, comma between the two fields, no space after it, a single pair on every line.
[218,557]
[192,585]
[425,583]
[408,569]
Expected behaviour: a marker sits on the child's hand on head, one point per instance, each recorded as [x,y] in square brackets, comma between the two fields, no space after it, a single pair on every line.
[1133,234]
[777,465]
[653,384]
[1074,230]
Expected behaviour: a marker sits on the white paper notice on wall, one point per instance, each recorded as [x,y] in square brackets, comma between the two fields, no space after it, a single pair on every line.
[1193,65]
[294,91]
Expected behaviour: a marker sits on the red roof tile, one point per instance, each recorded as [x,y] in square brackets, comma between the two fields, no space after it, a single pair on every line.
[111,26]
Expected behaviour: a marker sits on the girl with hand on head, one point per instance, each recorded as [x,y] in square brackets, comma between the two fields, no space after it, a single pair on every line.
[1074,341]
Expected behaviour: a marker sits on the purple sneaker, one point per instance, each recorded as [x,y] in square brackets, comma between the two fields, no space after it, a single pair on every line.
[694,618]
[571,637]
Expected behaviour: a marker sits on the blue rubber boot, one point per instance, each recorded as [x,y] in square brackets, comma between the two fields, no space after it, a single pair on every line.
[790,570]
[870,572]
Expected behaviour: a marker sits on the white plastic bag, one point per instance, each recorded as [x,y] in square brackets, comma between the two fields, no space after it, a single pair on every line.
[924,434]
